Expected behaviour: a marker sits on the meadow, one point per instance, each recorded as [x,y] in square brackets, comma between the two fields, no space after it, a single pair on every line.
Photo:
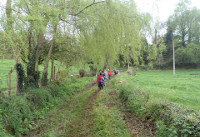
[6,65]
[182,89]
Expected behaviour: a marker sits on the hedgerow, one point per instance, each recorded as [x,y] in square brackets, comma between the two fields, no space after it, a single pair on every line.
[170,119]
[17,114]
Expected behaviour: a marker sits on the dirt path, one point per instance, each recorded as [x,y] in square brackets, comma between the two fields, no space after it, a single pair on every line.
[88,114]
[84,127]
[136,127]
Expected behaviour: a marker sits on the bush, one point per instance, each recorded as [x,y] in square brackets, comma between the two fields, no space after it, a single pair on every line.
[39,98]
[17,115]
[82,72]
[93,70]
[162,130]
[63,74]
[172,120]
[3,132]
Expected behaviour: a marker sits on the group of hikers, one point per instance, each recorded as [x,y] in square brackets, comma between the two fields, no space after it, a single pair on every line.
[102,76]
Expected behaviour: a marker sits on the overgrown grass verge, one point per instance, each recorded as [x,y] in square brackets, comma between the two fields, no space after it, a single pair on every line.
[108,119]
[170,119]
[17,114]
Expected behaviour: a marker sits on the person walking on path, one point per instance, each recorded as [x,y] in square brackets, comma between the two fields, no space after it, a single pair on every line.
[114,71]
[117,71]
[106,74]
[102,82]
[109,74]
[99,76]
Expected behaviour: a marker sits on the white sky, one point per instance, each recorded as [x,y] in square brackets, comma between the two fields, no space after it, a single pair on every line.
[161,9]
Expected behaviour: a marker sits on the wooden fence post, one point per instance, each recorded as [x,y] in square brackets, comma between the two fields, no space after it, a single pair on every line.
[9,83]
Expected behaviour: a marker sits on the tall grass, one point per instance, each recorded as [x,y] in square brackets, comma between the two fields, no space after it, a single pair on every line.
[159,97]
[182,89]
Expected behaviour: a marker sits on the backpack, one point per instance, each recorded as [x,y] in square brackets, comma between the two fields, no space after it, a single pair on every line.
[102,80]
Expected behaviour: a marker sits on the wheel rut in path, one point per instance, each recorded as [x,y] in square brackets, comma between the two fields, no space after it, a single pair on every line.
[88,115]
[134,125]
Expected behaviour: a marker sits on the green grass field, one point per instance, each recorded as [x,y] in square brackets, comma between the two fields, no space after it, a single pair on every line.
[182,89]
[6,65]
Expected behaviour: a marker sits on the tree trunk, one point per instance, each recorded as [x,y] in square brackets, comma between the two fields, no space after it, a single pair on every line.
[45,71]
[10,80]
[10,31]
[128,65]
[58,72]
[52,69]
[39,48]
[9,28]
[16,77]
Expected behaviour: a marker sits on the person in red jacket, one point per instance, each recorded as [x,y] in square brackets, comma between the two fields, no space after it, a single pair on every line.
[99,76]
[109,74]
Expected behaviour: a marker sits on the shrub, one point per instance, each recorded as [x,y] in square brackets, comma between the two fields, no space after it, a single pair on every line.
[82,72]
[135,100]
[39,98]
[3,132]
[162,130]
[93,70]
[57,91]
[17,115]
[63,74]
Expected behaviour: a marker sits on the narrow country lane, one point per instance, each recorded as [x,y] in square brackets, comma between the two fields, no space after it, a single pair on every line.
[91,113]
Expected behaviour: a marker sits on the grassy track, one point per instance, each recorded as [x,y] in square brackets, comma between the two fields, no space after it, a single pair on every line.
[113,119]
[183,89]
[108,118]
[90,113]
[65,119]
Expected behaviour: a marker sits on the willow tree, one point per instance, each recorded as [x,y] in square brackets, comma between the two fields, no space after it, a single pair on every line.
[56,13]
[130,42]
[105,34]
[40,18]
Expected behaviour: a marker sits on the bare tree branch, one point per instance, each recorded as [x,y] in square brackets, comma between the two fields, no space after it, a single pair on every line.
[94,3]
